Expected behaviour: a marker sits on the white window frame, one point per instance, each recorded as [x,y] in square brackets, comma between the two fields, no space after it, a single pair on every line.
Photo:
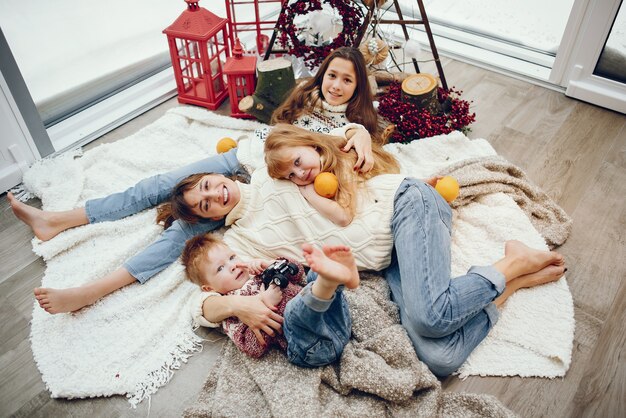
[17,147]
[587,34]
[108,114]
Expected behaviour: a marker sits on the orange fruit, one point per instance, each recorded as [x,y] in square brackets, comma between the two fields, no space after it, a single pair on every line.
[225,144]
[326,185]
[448,188]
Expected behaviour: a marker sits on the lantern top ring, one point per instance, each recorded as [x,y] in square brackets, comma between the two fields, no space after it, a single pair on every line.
[192,4]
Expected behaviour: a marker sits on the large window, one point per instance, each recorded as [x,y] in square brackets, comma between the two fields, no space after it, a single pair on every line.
[516,35]
[72,54]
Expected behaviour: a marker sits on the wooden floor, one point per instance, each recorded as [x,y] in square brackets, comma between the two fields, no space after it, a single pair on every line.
[574,150]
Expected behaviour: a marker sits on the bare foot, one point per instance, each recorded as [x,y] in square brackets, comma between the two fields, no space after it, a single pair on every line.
[519,260]
[547,274]
[37,219]
[47,225]
[334,263]
[56,301]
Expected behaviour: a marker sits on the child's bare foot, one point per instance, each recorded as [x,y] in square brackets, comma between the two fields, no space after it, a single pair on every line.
[38,220]
[334,263]
[343,255]
[56,301]
[547,274]
[520,260]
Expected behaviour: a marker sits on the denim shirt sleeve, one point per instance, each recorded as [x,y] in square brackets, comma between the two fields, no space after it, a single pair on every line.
[167,248]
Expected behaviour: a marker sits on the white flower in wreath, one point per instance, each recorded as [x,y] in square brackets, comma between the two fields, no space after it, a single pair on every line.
[322,24]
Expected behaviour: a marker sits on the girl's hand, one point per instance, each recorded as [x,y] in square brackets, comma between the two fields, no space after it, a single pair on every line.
[308,192]
[361,141]
[433,180]
[272,296]
[255,266]
[252,311]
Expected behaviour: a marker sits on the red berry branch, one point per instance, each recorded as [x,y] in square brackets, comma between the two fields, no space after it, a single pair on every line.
[414,123]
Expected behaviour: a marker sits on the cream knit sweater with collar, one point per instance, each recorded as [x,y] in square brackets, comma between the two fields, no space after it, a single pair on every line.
[273,219]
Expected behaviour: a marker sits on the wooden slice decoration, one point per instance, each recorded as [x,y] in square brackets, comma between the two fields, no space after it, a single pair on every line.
[384,77]
[421,90]
[275,81]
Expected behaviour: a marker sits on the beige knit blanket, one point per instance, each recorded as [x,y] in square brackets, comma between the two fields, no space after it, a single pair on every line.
[378,375]
[485,175]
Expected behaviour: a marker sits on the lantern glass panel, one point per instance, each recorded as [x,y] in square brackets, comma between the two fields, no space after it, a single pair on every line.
[241,87]
[220,39]
[190,64]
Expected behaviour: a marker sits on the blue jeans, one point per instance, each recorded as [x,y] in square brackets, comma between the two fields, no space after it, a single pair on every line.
[150,192]
[445,318]
[316,330]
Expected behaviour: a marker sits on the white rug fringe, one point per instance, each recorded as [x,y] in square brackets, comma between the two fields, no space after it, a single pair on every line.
[160,377]
[22,193]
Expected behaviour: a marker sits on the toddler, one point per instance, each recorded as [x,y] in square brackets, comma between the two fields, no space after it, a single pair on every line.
[317,323]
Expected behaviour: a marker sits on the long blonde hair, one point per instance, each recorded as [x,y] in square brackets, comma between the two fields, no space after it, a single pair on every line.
[333,160]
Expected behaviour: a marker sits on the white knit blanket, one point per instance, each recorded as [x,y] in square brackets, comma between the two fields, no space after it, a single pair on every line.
[131,341]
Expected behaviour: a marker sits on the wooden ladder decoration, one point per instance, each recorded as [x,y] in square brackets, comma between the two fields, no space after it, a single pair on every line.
[403,22]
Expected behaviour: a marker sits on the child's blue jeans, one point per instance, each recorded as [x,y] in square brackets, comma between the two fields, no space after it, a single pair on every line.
[316,330]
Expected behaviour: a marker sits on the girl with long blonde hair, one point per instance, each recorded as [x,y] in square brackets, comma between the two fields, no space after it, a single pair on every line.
[299,156]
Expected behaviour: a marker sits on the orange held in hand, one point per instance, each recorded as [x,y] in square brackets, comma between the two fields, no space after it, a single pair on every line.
[448,188]
[225,144]
[326,185]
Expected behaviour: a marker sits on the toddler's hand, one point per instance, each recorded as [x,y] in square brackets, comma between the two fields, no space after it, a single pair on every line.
[255,266]
[271,296]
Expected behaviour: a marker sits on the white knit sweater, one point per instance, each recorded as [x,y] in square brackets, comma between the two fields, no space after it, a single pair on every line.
[273,219]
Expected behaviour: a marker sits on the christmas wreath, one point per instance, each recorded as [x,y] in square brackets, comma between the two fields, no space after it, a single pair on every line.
[413,123]
[351,17]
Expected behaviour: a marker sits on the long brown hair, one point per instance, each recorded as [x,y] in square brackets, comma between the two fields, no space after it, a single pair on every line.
[308,96]
[177,207]
[333,159]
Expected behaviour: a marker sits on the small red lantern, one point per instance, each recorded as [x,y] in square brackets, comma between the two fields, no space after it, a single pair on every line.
[199,44]
[241,73]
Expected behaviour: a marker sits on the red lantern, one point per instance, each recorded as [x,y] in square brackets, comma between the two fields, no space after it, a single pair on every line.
[262,28]
[241,73]
[199,44]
